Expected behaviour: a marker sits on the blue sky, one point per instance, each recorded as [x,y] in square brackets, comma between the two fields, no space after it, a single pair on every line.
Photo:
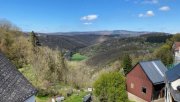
[92,15]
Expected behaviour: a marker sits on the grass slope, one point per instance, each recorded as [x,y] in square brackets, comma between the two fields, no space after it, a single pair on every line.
[78,57]
[76,97]
[42,99]
[73,98]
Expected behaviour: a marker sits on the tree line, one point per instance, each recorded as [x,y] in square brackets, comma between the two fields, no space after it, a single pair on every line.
[48,66]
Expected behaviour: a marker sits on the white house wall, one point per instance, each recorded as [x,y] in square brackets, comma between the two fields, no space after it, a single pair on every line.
[175,84]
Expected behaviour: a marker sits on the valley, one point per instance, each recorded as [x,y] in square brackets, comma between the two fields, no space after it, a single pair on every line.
[67,65]
[100,48]
[89,51]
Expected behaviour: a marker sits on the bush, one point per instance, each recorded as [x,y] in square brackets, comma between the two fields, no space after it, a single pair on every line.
[43,93]
[69,93]
[110,87]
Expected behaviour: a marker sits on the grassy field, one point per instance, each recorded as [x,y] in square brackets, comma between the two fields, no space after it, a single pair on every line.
[43,99]
[73,98]
[62,88]
[78,57]
[76,97]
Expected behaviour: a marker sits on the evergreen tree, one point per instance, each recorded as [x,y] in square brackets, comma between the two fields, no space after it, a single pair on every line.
[34,41]
[33,38]
[126,63]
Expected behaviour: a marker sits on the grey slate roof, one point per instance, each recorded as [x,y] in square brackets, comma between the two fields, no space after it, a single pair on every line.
[175,94]
[14,87]
[173,74]
[155,70]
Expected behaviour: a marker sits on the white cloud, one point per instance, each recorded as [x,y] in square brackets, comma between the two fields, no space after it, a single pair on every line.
[151,1]
[149,13]
[87,23]
[164,8]
[141,15]
[89,17]
[144,1]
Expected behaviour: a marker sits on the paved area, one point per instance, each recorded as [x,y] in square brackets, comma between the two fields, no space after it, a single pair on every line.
[160,100]
[135,98]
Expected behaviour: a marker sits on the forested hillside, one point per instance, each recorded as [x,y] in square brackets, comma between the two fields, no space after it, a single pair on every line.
[42,60]
[71,42]
[113,49]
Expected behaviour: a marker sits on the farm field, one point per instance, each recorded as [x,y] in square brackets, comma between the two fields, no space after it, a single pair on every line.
[78,57]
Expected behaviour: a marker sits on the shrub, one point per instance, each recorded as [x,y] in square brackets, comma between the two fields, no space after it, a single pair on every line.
[43,93]
[110,87]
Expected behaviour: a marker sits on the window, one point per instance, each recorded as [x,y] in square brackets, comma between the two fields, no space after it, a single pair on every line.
[132,85]
[143,90]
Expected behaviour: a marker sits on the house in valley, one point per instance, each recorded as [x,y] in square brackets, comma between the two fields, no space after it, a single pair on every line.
[145,82]
[172,90]
[14,87]
[176,50]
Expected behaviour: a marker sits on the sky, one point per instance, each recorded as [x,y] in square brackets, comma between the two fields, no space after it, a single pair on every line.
[92,15]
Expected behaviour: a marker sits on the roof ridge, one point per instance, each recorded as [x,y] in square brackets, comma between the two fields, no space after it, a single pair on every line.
[154,69]
[157,68]
[150,60]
